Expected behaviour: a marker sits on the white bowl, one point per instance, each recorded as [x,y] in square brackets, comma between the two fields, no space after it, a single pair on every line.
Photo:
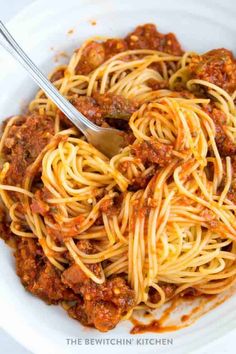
[42,31]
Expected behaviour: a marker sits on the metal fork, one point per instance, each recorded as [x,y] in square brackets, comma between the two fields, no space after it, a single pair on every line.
[107,140]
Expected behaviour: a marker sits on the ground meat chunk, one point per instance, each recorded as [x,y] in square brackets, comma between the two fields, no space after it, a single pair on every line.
[190,293]
[115,290]
[57,75]
[168,288]
[20,149]
[144,37]
[217,66]
[103,304]
[103,106]
[106,206]
[153,152]
[115,106]
[38,205]
[158,85]
[74,277]
[5,231]
[114,46]
[95,54]
[61,232]
[103,314]
[111,206]
[86,246]
[79,313]
[38,275]
[224,143]
[139,182]
[147,37]
[92,56]
[49,286]
[89,107]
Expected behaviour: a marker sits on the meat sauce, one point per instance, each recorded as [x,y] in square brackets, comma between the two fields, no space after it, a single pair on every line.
[217,66]
[153,326]
[153,152]
[25,140]
[104,109]
[101,306]
[164,323]
[144,37]
[94,54]
[38,275]
[224,143]
[147,37]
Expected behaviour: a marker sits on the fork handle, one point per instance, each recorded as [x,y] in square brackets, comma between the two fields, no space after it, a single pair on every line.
[77,118]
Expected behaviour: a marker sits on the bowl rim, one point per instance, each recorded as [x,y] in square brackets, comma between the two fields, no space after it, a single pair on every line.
[8,326]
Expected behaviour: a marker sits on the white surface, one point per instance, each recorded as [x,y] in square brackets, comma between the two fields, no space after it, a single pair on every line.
[8,345]
[34,323]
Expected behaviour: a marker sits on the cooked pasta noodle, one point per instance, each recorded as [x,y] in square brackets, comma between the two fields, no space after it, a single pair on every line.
[178,226]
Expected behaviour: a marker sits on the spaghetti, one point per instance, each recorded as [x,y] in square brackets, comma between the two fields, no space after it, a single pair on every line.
[160,215]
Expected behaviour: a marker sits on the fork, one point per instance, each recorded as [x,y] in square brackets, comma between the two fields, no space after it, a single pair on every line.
[107,140]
